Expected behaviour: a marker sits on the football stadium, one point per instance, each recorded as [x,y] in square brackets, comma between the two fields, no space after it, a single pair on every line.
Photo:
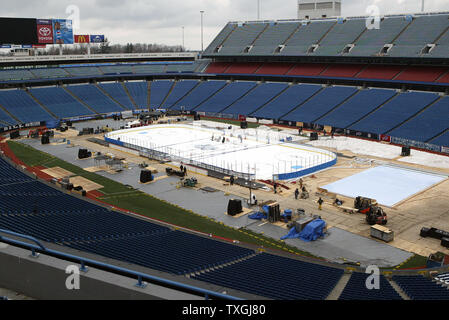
[296,159]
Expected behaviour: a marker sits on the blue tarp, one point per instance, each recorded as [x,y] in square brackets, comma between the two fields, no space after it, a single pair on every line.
[258,216]
[312,232]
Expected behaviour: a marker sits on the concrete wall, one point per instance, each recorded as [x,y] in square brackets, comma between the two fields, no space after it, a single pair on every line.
[44,278]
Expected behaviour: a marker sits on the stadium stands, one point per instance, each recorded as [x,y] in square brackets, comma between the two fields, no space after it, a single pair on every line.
[83,71]
[148,68]
[431,122]
[372,40]
[287,101]
[158,92]
[218,67]
[138,91]
[423,30]
[23,107]
[243,67]
[256,98]
[380,72]
[222,36]
[199,95]
[441,140]
[272,37]
[356,289]
[240,38]
[307,35]
[10,75]
[173,252]
[343,33]
[356,108]
[420,288]
[43,73]
[118,93]
[275,68]
[395,112]
[227,96]
[180,90]
[59,102]
[119,69]
[307,69]
[343,70]
[94,98]
[320,104]
[424,74]
[276,277]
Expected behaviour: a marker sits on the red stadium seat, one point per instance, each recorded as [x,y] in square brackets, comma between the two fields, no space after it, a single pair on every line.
[275,68]
[423,74]
[380,72]
[343,70]
[308,69]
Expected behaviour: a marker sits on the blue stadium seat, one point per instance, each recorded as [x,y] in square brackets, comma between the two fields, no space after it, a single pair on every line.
[94,98]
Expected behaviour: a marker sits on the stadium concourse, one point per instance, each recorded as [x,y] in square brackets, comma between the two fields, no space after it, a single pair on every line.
[327,75]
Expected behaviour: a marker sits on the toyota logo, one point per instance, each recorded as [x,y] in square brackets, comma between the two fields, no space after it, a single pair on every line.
[45,31]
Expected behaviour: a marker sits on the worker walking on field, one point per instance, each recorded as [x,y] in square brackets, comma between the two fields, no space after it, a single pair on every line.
[296,194]
[320,204]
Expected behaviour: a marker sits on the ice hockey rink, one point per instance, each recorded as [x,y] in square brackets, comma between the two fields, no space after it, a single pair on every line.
[263,153]
[388,185]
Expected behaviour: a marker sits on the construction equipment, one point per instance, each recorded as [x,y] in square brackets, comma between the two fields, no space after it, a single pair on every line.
[190,183]
[375,215]
[362,203]
[37,132]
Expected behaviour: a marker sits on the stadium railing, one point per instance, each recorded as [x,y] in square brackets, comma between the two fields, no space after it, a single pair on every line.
[38,247]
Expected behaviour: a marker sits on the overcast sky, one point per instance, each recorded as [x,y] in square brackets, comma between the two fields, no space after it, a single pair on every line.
[161,21]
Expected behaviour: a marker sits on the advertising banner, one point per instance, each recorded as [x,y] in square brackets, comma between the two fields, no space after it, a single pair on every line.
[83,38]
[95,38]
[44,31]
[63,31]
[385,138]
[416,144]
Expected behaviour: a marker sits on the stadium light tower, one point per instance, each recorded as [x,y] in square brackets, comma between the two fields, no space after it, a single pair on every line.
[183,40]
[422,5]
[202,31]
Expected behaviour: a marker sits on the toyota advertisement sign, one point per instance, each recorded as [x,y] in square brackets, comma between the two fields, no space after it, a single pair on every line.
[45,31]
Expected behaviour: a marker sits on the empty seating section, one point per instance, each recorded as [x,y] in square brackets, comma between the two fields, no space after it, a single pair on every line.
[6,119]
[241,37]
[124,69]
[159,91]
[256,98]
[395,112]
[356,108]
[306,35]
[277,277]
[227,96]
[380,72]
[118,93]
[342,34]
[218,67]
[422,31]
[308,69]
[287,101]
[424,74]
[94,98]
[275,68]
[199,95]
[243,68]
[185,67]
[10,75]
[149,68]
[356,289]
[139,93]
[20,104]
[180,89]
[420,288]
[60,103]
[84,71]
[442,47]
[343,70]
[173,252]
[426,125]
[200,65]
[218,40]
[9,174]
[320,104]
[43,73]
[275,35]
[372,40]
[442,140]
[444,78]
